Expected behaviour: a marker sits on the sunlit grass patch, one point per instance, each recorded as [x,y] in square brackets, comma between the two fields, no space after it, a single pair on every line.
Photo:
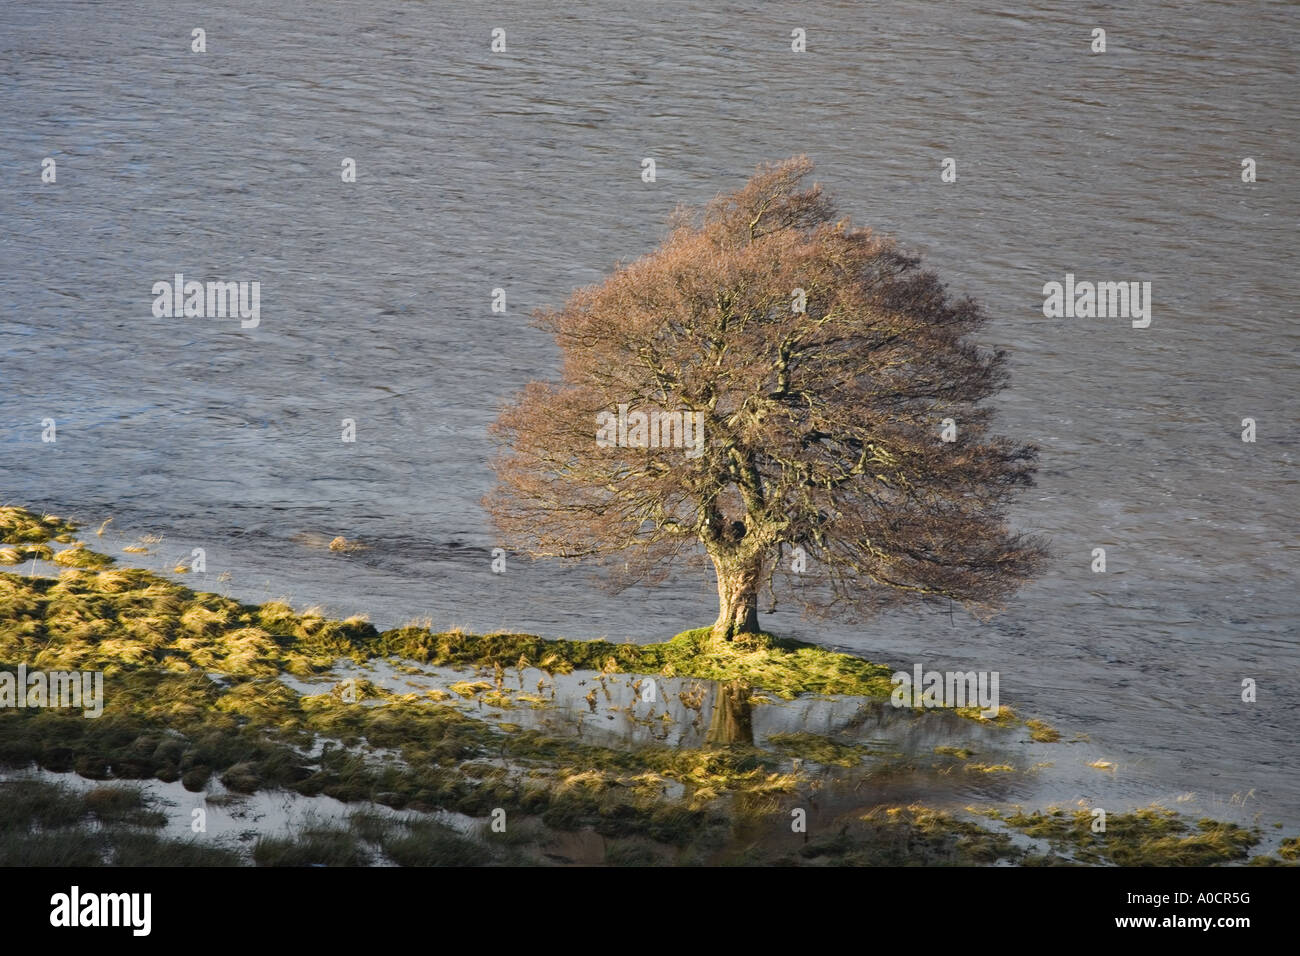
[20,526]
[786,668]
[1042,732]
[79,556]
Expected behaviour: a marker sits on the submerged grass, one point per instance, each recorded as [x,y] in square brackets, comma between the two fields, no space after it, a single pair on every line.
[1152,836]
[312,846]
[48,824]
[406,840]
[823,750]
[891,836]
[1042,732]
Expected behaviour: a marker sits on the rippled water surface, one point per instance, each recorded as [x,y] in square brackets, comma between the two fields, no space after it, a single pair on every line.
[522,171]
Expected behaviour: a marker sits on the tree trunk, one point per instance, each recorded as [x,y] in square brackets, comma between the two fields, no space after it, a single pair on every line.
[738,582]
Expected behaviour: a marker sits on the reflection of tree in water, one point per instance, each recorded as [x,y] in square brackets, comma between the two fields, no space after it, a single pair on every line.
[733,715]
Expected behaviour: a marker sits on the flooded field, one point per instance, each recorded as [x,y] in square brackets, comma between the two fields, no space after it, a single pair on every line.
[523,172]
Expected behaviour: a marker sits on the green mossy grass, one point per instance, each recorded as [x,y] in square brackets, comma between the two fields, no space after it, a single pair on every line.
[783,667]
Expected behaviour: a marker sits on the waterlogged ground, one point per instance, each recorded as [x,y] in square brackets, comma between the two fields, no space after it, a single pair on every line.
[522,170]
[235,734]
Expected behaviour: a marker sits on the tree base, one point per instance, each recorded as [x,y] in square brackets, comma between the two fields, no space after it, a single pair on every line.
[728,629]
[737,600]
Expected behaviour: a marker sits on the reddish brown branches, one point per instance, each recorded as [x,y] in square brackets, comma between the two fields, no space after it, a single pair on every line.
[820,363]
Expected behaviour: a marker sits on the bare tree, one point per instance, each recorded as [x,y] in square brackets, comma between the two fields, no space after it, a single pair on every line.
[820,364]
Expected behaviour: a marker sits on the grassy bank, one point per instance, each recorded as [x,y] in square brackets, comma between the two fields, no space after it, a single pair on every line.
[196,692]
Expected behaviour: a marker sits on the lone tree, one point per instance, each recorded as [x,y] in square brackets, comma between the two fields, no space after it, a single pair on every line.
[835,392]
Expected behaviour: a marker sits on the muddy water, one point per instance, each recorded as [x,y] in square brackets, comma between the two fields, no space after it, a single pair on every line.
[522,171]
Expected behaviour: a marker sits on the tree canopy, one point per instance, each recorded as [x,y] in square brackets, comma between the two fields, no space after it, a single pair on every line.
[837,394]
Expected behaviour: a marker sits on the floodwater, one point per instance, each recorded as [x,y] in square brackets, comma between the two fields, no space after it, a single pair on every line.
[522,171]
